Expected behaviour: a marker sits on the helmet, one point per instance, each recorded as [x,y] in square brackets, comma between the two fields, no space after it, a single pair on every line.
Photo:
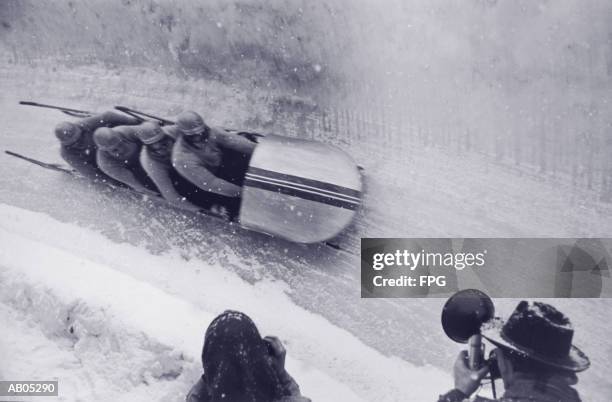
[190,123]
[150,133]
[106,139]
[68,133]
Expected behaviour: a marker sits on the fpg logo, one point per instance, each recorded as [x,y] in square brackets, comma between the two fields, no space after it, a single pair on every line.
[429,280]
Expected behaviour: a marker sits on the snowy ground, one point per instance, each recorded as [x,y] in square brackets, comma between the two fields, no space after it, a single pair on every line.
[138,285]
[128,332]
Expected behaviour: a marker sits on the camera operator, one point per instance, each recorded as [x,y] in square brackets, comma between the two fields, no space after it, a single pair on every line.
[535,356]
[241,366]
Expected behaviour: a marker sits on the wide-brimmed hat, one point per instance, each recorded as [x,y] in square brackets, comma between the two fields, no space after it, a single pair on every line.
[540,332]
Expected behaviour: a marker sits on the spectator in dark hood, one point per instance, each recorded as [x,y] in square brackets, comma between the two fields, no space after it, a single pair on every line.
[241,366]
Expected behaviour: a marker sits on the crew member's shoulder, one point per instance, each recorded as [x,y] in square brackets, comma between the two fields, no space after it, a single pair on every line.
[221,137]
[172,131]
[127,132]
[216,132]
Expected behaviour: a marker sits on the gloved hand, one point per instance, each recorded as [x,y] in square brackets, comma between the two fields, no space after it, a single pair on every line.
[222,212]
[467,380]
[277,351]
[277,356]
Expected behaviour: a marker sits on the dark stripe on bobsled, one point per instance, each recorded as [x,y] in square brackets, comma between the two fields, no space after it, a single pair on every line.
[296,180]
[311,196]
[305,190]
[285,183]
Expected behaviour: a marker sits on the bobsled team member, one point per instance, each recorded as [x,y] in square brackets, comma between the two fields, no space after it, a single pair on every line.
[535,355]
[155,158]
[77,145]
[241,366]
[212,158]
[118,156]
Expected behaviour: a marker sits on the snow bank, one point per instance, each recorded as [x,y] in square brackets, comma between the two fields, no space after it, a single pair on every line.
[260,42]
[396,49]
[141,318]
[84,372]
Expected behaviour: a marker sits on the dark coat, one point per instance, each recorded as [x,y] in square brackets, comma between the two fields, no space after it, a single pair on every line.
[198,393]
[553,389]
